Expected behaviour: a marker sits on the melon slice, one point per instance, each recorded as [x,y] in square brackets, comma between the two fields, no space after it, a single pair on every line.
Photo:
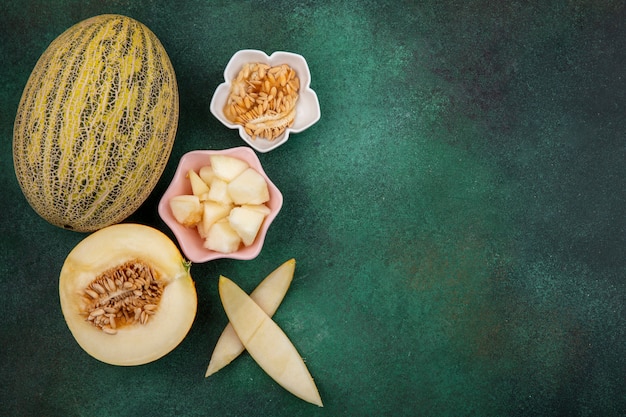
[268,295]
[268,345]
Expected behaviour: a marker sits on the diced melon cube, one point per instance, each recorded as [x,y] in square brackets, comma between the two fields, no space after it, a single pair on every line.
[221,237]
[200,229]
[258,207]
[204,197]
[227,167]
[246,222]
[219,192]
[186,209]
[198,186]
[249,187]
[212,212]
[207,174]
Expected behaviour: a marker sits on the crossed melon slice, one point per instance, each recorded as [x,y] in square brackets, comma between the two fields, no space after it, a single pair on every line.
[251,328]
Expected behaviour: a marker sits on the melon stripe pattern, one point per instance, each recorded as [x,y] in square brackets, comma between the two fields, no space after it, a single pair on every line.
[96,123]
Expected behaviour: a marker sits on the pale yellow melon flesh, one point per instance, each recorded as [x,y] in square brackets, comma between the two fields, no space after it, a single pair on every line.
[227,167]
[198,186]
[268,295]
[139,343]
[268,345]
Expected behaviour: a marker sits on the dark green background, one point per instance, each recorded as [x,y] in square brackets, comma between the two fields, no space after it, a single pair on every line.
[457,214]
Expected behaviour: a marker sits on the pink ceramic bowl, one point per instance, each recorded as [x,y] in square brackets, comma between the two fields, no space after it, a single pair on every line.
[188,238]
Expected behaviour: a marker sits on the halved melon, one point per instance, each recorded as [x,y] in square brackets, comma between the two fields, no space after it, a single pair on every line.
[127,295]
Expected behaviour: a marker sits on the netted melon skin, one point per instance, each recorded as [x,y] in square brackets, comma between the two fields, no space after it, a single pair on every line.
[96,123]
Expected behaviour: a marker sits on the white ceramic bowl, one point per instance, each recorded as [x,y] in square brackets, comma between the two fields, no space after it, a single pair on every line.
[189,239]
[307,106]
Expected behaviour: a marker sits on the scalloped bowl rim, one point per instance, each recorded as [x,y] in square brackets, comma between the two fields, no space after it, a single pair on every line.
[307,107]
[189,239]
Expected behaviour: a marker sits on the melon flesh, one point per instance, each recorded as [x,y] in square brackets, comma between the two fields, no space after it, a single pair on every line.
[246,222]
[134,343]
[227,167]
[267,343]
[213,191]
[221,237]
[249,187]
[268,295]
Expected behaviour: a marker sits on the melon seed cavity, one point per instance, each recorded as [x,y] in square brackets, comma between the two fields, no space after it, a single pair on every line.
[124,295]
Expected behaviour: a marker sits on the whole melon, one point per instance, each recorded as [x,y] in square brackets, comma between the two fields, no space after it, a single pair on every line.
[96,123]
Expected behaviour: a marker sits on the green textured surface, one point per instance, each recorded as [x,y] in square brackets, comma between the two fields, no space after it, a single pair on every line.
[457,214]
